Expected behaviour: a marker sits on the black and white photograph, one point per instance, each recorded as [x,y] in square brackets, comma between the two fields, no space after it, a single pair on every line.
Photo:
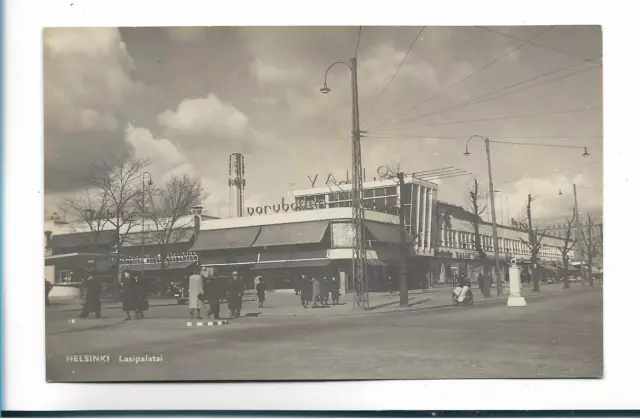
[295,203]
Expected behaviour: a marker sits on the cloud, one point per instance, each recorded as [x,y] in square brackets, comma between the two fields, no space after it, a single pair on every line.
[268,73]
[87,83]
[187,34]
[205,115]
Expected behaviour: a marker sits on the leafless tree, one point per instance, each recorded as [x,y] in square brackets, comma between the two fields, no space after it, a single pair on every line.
[592,247]
[112,196]
[534,242]
[167,210]
[567,246]
[477,208]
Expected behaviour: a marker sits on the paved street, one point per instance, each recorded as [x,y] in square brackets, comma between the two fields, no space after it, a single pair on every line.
[559,334]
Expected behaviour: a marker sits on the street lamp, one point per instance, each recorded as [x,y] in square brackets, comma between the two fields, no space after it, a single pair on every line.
[493,210]
[359,257]
[143,212]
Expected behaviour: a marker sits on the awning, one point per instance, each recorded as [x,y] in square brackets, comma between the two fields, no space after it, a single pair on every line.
[90,238]
[547,266]
[295,233]
[228,260]
[182,235]
[389,233]
[157,266]
[375,262]
[284,264]
[293,255]
[103,261]
[228,238]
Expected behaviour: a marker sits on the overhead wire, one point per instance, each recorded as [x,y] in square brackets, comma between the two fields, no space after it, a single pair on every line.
[485,98]
[429,99]
[394,75]
[539,45]
[493,118]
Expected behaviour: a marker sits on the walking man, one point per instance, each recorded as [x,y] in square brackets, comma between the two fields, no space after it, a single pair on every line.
[212,293]
[47,290]
[93,289]
[196,294]
[236,291]
[261,289]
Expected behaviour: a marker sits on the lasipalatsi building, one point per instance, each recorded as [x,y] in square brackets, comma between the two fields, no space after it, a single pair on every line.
[314,236]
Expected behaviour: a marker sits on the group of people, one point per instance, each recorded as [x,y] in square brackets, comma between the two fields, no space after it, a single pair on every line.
[316,291]
[134,295]
[207,289]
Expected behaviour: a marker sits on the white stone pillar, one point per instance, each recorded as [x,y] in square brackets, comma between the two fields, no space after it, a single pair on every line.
[418,204]
[423,231]
[515,297]
[430,209]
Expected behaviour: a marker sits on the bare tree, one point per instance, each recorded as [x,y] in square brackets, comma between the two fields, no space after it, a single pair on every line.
[567,246]
[592,248]
[167,211]
[534,242]
[477,209]
[113,194]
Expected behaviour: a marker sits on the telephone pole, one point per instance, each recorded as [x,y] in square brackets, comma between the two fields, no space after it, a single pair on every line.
[359,253]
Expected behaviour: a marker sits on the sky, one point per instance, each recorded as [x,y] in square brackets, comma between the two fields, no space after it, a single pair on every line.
[189,97]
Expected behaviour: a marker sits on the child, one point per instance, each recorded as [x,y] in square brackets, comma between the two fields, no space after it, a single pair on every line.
[260,288]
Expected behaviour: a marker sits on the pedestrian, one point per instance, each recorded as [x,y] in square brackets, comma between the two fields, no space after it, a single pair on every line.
[196,294]
[212,294]
[390,283]
[335,291]
[93,288]
[140,291]
[260,289]
[235,293]
[129,298]
[480,281]
[306,291]
[47,290]
[315,291]
[324,291]
[296,284]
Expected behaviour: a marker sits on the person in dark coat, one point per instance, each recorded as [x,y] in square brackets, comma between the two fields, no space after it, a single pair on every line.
[47,290]
[324,291]
[306,291]
[335,290]
[129,297]
[315,291]
[93,288]
[234,298]
[213,293]
[480,281]
[140,291]
[261,288]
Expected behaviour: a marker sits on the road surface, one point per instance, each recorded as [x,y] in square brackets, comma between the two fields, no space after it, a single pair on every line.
[557,335]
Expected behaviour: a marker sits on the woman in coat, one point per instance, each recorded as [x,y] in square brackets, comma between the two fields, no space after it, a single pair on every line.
[140,291]
[306,291]
[129,297]
[92,299]
[196,294]
[316,291]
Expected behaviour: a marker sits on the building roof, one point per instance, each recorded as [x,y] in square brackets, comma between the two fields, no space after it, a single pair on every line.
[93,238]
[153,238]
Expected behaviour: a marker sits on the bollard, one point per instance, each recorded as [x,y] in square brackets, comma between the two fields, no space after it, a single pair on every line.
[515,297]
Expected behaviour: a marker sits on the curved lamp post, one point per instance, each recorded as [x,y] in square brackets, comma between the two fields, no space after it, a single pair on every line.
[359,251]
[498,276]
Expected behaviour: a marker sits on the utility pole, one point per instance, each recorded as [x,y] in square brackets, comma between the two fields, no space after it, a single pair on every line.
[359,254]
[497,276]
[402,271]
[359,250]
[578,232]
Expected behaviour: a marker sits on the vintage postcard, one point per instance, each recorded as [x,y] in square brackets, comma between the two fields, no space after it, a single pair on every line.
[323,203]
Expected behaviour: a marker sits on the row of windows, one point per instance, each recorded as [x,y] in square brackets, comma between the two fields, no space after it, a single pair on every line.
[464,240]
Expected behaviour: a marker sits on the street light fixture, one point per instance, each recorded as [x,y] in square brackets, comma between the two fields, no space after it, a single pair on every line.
[359,256]
[498,276]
